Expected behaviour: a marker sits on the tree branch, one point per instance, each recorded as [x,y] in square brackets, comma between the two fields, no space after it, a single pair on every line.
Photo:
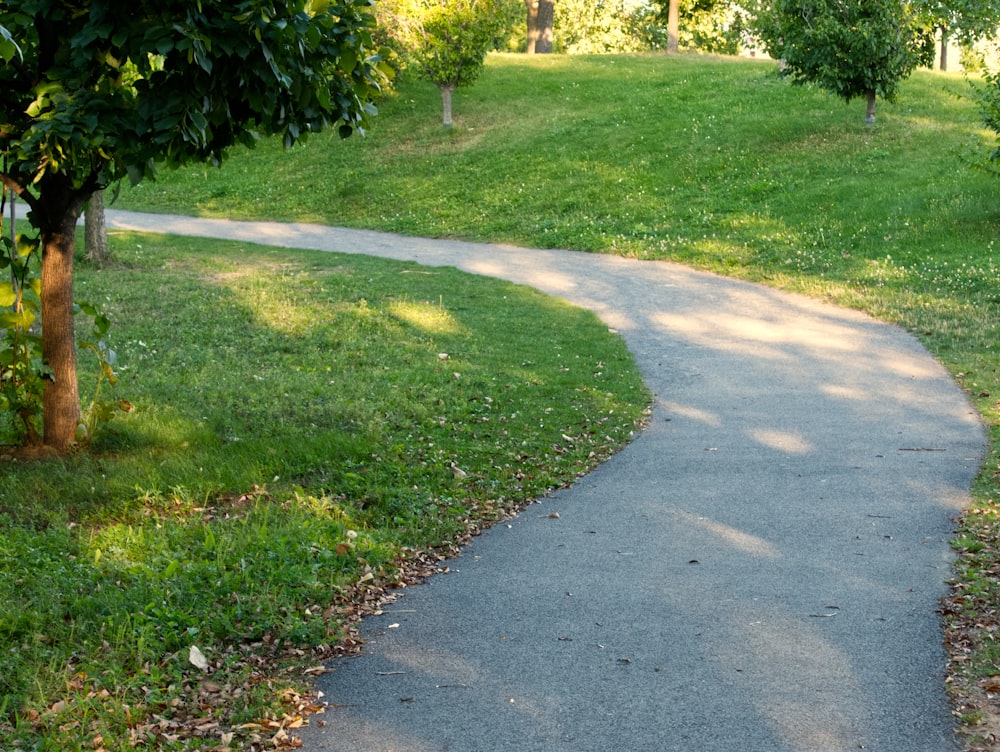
[19,190]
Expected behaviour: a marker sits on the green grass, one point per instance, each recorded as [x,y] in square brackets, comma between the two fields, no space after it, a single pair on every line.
[712,162]
[289,456]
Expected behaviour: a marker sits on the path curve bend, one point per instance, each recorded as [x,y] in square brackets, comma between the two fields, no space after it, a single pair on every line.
[758,571]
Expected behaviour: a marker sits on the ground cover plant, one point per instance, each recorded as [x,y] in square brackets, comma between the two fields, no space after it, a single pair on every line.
[717,163]
[307,430]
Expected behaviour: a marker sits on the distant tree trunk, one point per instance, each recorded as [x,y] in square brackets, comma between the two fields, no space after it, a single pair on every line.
[541,15]
[943,63]
[446,92]
[870,112]
[673,26]
[96,232]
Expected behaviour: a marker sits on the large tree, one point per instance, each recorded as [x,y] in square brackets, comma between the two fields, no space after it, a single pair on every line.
[852,48]
[93,90]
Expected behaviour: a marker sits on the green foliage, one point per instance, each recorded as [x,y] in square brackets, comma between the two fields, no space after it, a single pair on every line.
[102,93]
[716,26]
[617,26]
[97,94]
[8,47]
[400,35]
[964,20]
[587,27]
[102,408]
[22,372]
[988,95]
[449,39]
[852,48]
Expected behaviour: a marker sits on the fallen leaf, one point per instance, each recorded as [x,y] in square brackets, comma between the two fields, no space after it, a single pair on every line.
[197,658]
[318,670]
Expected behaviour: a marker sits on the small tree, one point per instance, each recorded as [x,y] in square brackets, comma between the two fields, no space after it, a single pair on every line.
[93,90]
[852,48]
[449,43]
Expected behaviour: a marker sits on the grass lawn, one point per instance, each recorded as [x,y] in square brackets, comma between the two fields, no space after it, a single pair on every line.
[712,162]
[298,418]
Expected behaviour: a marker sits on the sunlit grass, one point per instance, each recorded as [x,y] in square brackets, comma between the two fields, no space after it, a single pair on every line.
[296,418]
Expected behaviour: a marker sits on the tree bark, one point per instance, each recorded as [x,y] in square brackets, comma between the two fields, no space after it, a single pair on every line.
[61,207]
[870,111]
[446,92]
[95,230]
[532,8]
[673,26]
[541,16]
[943,61]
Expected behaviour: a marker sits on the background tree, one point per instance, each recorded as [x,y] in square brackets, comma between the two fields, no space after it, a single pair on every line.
[95,235]
[673,25]
[704,25]
[99,90]
[965,21]
[447,42]
[852,48]
[987,94]
[600,26]
[541,20]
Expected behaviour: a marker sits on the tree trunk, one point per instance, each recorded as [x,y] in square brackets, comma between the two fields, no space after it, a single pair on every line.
[446,92]
[546,19]
[532,8]
[673,26]
[943,62]
[61,208]
[541,16]
[870,112]
[96,231]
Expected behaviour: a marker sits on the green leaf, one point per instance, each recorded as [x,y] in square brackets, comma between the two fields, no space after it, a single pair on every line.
[348,61]
[315,7]
[14,320]
[8,296]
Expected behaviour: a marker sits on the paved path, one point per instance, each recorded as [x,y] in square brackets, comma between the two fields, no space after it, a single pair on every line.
[758,571]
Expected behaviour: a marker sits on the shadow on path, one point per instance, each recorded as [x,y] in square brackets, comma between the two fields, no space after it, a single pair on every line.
[758,571]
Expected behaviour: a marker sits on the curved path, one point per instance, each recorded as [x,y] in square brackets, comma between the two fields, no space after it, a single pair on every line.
[758,571]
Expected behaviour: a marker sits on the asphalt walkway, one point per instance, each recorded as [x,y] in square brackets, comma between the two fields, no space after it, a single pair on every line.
[758,571]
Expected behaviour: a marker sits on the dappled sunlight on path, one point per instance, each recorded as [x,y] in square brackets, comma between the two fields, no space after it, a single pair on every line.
[758,571]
